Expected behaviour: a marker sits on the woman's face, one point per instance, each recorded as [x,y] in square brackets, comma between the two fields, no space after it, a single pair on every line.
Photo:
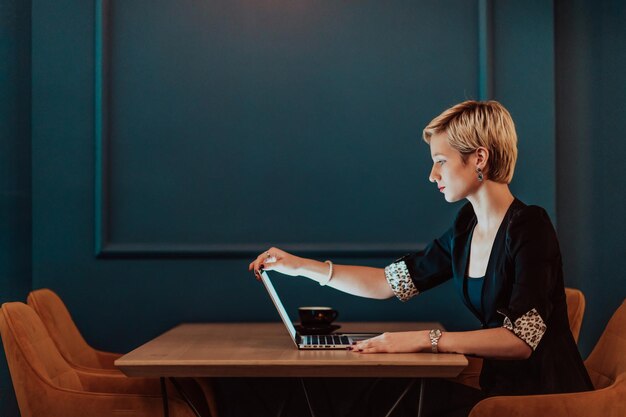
[455,178]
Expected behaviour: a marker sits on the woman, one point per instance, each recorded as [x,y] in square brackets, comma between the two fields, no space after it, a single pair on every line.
[503,256]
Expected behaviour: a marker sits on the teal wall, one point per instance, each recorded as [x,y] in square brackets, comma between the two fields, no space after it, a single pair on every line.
[591,128]
[225,127]
[15,178]
[172,141]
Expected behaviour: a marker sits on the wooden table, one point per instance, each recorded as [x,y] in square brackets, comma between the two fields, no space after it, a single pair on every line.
[266,350]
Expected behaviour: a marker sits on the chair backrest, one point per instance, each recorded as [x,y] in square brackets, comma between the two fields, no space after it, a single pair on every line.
[607,361]
[63,331]
[575,310]
[31,353]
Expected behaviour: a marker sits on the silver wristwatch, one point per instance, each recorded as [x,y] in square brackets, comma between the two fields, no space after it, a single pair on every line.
[434,335]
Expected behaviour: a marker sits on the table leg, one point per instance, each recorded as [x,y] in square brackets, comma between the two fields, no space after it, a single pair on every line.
[402,395]
[329,402]
[420,401]
[166,411]
[306,395]
[283,406]
[185,396]
[367,393]
[391,410]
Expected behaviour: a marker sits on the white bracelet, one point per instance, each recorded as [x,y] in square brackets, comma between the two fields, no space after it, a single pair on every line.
[330,274]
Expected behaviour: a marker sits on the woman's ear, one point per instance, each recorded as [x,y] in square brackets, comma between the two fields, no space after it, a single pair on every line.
[482,156]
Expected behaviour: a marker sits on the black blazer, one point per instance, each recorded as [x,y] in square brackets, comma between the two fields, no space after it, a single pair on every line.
[523,291]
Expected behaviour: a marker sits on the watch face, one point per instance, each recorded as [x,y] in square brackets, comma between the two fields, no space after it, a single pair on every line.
[435,333]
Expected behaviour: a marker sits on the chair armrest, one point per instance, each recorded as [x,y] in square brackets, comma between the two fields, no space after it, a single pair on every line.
[70,403]
[106,359]
[606,402]
[107,382]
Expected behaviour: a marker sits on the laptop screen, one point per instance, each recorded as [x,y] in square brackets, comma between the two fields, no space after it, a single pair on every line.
[279,305]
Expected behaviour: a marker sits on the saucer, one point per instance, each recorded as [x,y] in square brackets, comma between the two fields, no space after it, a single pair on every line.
[317,329]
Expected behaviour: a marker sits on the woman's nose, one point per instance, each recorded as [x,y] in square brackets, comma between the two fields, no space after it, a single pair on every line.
[432,177]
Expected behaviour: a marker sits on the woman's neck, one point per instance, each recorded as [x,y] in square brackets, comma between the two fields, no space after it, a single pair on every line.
[491,202]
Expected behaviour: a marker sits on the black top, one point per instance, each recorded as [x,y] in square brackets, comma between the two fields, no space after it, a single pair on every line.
[523,291]
[474,293]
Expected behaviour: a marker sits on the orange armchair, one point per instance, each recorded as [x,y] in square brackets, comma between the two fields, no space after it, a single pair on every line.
[66,336]
[607,368]
[81,356]
[46,385]
[575,311]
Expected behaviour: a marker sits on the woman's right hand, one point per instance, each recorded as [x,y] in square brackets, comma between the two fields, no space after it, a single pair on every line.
[277,260]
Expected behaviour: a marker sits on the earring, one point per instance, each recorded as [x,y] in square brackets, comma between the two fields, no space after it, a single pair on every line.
[480,174]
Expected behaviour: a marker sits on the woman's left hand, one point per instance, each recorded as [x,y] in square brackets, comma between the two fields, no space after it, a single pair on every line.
[398,342]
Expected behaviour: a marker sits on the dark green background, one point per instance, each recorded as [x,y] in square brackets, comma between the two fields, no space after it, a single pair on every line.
[234,125]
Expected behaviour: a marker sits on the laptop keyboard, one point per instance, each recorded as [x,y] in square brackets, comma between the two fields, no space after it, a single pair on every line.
[327,340]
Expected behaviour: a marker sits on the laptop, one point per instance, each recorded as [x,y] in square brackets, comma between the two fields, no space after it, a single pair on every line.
[317,342]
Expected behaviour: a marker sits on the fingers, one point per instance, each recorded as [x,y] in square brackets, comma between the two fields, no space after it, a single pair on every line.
[265,261]
[270,264]
[371,350]
[374,345]
[361,346]
[366,348]
[258,262]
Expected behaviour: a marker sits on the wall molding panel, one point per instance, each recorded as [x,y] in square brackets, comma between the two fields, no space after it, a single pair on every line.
[107,247]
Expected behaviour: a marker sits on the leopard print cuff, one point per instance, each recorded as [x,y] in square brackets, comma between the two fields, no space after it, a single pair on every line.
[530,327]
[400,281]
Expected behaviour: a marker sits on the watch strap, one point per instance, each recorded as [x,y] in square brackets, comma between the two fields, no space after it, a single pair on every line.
[434,335]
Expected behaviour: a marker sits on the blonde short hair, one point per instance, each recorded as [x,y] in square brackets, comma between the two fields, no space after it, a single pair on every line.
[473,124]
